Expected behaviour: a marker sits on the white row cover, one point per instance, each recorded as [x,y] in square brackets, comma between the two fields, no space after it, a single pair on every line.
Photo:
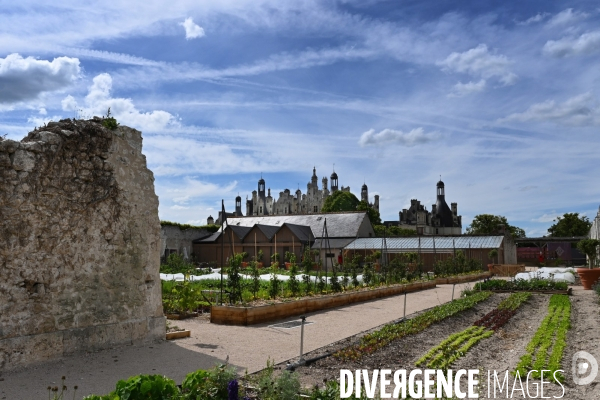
[556,274]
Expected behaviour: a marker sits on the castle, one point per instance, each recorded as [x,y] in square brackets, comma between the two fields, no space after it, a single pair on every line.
[262,203]
[442,220]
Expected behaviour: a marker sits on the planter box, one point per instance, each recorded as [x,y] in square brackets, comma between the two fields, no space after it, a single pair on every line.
[178,334]
[255,315]
[463,278]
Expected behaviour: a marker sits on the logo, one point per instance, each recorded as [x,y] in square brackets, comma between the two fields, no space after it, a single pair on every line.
[585,368]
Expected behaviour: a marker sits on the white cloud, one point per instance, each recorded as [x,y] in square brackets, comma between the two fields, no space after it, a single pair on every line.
[464,89]
[585,44]
[190,189]
[546,217]
[567,16]
[479,61]
[25,78]
[99,99]
[39,121]
[390,136]
[42,111]
[576,111]
[536,18]
[69,103]
[192,31]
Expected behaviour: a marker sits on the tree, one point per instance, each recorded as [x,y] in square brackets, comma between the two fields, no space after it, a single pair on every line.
[372,213]
[570,224]
[590,248]
[488,224]
[340,201]
[393,231]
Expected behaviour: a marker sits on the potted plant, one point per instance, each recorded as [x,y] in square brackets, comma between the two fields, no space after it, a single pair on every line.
[244,258]
[589,276]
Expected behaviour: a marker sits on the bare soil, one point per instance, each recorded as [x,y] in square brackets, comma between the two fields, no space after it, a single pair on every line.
[501,352]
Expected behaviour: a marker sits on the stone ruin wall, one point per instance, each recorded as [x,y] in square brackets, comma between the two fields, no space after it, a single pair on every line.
[79,243]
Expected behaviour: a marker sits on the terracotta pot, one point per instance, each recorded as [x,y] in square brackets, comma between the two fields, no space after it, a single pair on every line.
[490,267]
[588,277]
[288,265]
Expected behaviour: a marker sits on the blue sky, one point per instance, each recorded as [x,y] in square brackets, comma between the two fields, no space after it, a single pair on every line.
[500,98]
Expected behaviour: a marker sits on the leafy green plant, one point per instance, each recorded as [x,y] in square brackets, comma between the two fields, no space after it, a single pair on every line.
[521,284]
[275,285]
[292,283]
[109,121]
[176,264]
[234,280]
[551,334]
[181,297]
[146,386]
[255,276]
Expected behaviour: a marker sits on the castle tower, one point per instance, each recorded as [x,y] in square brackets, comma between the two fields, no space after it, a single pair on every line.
[262,199]
[314,178]
[210,220]
[442,210]
[334,182]
[238,206]
[376,203]
[364,193]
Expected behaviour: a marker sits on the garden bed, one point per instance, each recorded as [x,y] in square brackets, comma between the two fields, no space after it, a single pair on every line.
[500,352]
[569,291]
[230,315]
[462,278]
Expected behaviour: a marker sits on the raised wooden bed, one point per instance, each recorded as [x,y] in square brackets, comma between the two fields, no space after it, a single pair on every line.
[507,269]
[178,334]
[228,315]
[462,278]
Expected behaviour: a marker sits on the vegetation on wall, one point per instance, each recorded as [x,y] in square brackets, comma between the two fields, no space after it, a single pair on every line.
[211,228]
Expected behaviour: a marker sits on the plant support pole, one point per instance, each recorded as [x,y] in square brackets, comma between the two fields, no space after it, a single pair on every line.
[404,313]
[303,318]
[453,286]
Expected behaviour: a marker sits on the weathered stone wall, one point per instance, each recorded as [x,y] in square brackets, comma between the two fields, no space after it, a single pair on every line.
[79,243]
[173,238]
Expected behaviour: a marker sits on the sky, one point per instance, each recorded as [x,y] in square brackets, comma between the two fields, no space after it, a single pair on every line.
[499,98]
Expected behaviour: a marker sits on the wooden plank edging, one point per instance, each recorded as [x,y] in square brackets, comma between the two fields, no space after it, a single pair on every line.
[463,278]
[227,315]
